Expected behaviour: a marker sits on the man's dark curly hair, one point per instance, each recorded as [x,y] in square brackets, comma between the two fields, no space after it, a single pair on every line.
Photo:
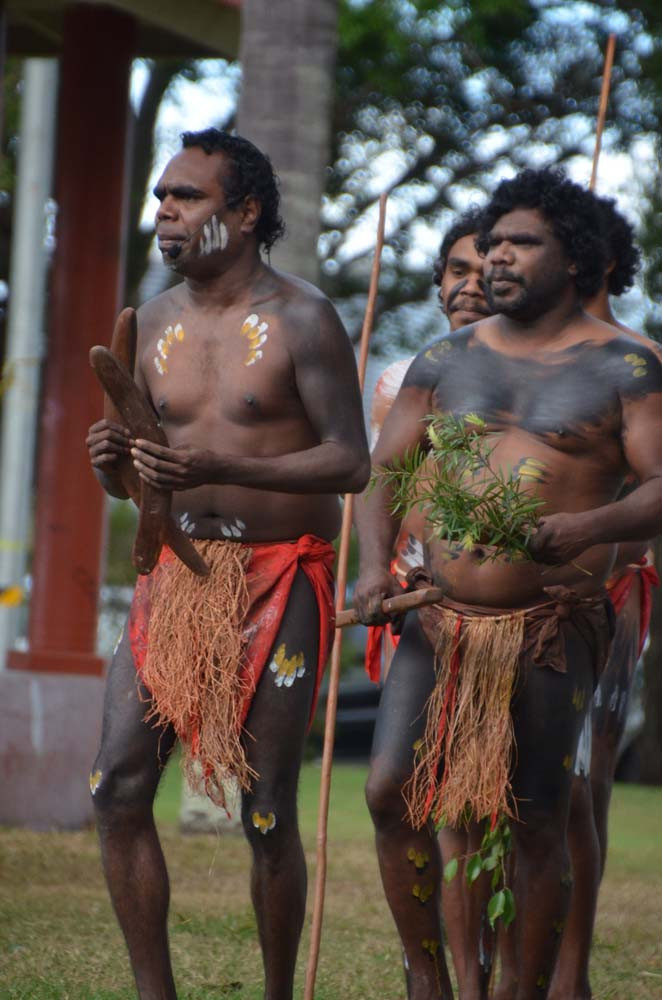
[572,212]
[251,174]
[465,225]
[621,248]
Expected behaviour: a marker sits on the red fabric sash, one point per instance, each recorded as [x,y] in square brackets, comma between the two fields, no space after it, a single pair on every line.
[269,577]
[619,589]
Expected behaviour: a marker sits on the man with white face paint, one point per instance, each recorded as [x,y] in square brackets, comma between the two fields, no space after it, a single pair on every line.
[255,384]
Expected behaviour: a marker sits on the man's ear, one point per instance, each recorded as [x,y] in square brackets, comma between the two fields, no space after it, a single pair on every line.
[251,210]
[572,269]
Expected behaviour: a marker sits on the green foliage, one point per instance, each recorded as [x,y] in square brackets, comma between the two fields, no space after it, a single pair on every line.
[441,97]
[11,97]
[650,241]
[467,502]
[122,524]
[490,857]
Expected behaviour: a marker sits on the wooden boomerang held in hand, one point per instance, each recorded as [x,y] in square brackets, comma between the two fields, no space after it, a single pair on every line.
[395,605]
[125,403]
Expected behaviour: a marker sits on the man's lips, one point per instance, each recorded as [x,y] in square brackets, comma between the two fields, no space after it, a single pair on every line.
[169,241]
[503,281]
[470,309]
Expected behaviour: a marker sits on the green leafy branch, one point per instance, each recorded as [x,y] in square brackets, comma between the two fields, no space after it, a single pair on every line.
[466,500]
[490,857]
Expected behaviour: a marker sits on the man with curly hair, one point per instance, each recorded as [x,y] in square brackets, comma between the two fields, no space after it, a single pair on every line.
[458,274]
[254,381]
[629,586]
[570,406]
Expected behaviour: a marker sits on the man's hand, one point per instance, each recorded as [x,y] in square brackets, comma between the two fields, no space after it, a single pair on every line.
[560,538]
[180,468]
[371,589]
[106,442]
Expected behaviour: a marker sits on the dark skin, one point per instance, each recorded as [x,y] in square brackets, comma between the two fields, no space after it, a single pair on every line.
[462,297]
[462,288]
[553,385]
[258,452]
[587,828]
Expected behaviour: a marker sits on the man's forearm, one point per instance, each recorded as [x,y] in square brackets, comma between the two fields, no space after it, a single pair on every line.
[326,468]
[637,517]
[376,527]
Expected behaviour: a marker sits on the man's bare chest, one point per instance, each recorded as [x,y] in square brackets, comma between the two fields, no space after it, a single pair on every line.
[239,371]
[570,401]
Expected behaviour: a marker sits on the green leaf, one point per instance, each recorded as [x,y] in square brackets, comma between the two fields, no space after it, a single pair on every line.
[474,868]
[450,870]
[509,908]
[496,906]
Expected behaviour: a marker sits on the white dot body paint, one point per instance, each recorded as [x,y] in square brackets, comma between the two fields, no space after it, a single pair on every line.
[232,529]
[256,334]
[264,823]
[185,524]
[164,345]
[286,669]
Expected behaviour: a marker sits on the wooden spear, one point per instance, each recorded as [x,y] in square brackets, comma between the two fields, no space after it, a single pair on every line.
[334,673]
[602,110]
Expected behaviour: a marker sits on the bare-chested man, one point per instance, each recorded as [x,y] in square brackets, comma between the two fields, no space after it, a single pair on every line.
[571,407]
[629,586]
[458,272]
[255,385]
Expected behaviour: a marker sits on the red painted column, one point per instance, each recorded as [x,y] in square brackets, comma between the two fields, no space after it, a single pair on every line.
[88,268]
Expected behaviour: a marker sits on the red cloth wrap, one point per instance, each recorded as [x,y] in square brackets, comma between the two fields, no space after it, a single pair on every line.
[619,587]
[376,634]
[269,577]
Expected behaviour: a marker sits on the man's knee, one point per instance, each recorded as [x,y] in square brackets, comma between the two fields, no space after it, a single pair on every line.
[118,788]
[269,820]
[383,793]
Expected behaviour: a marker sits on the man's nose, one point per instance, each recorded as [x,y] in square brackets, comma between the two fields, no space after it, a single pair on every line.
[501,253]
[475,285]
[167,209]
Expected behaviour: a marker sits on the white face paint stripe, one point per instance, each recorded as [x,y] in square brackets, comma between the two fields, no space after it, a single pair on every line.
[205,243]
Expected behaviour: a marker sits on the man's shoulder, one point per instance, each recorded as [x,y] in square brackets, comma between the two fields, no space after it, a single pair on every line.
[298,295]
[632,362]
[304,311]
[427,366]
[641,340]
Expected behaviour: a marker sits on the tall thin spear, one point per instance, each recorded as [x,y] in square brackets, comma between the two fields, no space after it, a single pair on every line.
[602,110]
[334,675]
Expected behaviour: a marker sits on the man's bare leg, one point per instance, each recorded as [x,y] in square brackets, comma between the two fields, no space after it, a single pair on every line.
[547,724]
[455,844]
[408,859]
[507,984]
[587,828]
[124,780]
[570,980]
[277,723]
[464,907]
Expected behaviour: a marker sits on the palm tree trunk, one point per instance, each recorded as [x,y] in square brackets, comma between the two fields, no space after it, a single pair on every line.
[287,54]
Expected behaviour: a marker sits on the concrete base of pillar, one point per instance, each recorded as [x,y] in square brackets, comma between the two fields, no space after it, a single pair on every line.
[50,727]
[198,814]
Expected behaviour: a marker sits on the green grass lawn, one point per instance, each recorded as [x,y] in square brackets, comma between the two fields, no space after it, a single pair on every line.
[59,939]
